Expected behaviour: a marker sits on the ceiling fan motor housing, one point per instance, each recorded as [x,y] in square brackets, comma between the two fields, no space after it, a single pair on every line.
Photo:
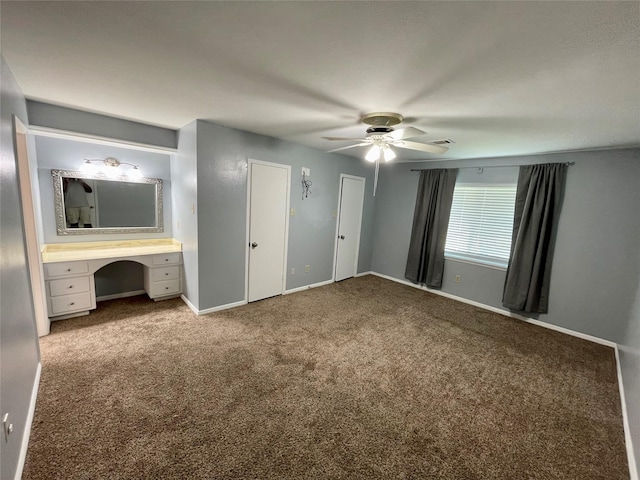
[382,119]
[379,130]
[381,124]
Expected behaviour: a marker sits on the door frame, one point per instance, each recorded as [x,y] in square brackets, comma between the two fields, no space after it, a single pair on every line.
[31,233]
[338,211]
[250,162]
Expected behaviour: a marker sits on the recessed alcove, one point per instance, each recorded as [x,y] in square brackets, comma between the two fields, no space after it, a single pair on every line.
[118,278]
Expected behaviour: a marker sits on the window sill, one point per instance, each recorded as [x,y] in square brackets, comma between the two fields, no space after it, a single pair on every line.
[479,263]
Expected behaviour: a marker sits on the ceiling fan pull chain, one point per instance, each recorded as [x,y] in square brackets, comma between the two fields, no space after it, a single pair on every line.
[375,178]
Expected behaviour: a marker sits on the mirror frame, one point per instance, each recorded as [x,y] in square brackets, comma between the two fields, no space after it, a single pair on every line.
[58,195]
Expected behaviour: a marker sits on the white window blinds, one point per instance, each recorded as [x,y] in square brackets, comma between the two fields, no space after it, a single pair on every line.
[481,223]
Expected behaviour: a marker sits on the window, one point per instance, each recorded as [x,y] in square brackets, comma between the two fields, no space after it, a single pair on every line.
[481,223]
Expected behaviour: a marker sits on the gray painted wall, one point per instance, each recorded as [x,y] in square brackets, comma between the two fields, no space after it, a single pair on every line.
[222,200]
[185,220]
[62,118]
[593,283]
[19,353]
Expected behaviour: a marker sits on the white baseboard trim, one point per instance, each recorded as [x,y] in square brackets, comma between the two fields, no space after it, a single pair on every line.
[189,304]
[573,333]
[501,311]
[27,426]
[244,302]
[362,274]
[633,468]
[307,287]
[133,293]
[221,307]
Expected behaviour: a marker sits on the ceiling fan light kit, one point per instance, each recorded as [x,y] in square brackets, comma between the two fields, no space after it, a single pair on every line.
[373,154]
[389,154]
[381,136]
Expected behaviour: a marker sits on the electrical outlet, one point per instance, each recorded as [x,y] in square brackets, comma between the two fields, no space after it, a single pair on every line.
[458,279]
[334,213]
[306,269]
[293,212]
[293,270]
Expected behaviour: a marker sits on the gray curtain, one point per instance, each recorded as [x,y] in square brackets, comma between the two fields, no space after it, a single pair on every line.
[425,262]
[538,201]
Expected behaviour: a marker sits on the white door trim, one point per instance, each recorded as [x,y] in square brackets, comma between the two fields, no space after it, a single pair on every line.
[335,237]
[32,240]
[250,162]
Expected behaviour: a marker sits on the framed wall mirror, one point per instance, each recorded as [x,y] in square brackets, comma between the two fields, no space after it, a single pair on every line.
[90,204]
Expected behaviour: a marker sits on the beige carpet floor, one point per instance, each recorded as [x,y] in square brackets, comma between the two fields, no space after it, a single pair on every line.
[362,379]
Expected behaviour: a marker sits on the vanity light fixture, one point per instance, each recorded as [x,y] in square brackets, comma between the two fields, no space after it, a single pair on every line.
[110,167]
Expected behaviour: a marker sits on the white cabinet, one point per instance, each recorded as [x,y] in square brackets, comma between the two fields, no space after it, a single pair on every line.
[70,285]
[77,302]
[70,288]
[66,269]
[65,286]
[164,273]
[166,259]
[164,277]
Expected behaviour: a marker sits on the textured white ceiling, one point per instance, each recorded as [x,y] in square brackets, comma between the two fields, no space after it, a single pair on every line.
[499,78]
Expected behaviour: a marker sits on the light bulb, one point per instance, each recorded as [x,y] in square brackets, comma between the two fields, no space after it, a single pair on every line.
[135,172]
[389,154]
[88,167]
[373,155]
[111,172]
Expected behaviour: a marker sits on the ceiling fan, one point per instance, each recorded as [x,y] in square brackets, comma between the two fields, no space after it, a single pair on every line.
[381,136]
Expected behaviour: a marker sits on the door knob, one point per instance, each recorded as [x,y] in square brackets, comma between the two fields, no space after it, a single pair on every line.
[254,245]
[341,237]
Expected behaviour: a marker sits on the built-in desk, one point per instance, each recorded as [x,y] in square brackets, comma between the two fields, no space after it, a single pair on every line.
[69,271]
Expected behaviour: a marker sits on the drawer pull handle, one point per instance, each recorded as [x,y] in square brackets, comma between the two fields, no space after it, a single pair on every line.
[68,269]
[72,303]
[166,288]
[166,274]
[166,259]
[70,286]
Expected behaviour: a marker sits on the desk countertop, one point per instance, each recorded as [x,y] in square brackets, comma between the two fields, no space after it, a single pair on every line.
[68,252]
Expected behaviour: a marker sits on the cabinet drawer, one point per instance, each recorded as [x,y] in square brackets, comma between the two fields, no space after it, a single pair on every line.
[165,273]
[67,268]
[167,287]
[66,286]
[166,259]
[70,303]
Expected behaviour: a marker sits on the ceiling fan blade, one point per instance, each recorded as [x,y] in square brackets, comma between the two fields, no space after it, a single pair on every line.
[350,146]
[403,133]
[341,138]
[423,147]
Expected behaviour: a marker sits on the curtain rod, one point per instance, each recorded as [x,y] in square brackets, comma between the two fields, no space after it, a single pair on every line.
[568,164]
